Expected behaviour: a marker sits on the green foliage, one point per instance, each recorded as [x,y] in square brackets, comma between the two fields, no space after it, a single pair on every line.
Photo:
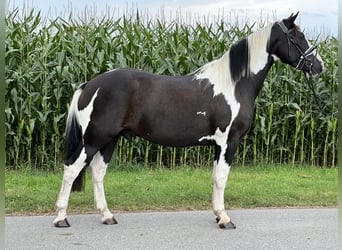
[47,59]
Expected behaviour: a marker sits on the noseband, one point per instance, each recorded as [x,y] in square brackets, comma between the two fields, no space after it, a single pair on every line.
[304,58]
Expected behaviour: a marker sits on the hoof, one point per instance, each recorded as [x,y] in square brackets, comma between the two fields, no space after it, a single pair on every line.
[110,221]
[229,225]
[62,223]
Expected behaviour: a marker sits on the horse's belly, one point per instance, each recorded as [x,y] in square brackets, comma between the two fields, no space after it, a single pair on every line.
[177,132]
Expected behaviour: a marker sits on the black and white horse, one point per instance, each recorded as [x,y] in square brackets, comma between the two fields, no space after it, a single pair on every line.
[211,106]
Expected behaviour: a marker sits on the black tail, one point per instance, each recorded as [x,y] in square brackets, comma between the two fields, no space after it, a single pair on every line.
[79,182]
[73,141]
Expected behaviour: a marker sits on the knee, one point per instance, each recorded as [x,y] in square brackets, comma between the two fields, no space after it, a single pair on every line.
[98,178]
[70,173]
[98,172]
[220,175]
[98,168]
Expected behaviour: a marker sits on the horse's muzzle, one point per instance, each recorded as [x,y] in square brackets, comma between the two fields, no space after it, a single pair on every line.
[317,67]
[313,65]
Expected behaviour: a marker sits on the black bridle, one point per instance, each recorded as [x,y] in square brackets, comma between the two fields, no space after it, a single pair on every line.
[303,60]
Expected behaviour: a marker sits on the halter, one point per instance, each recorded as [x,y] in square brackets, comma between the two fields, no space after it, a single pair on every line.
[304,58]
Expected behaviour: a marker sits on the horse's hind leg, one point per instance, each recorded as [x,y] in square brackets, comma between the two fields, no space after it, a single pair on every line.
[70,174]
[98,169]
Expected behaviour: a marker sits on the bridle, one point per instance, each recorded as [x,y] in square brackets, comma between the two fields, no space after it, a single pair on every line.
[304,59]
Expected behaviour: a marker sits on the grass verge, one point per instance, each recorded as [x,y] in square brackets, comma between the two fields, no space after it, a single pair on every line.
[28,192]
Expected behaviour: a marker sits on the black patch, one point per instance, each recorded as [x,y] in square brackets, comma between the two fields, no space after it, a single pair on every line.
[217,153]
[79,183]
[73,142]
[238,56]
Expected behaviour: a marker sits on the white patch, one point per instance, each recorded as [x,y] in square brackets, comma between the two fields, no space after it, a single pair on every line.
[219,137]
[111,70]
[257,44]
[221,140]
[218,74]
[275,58]
[98,170]
[202,113]
[314,52]
[83,116]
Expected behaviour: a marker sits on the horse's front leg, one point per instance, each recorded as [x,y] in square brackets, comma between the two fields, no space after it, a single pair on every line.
[223,158]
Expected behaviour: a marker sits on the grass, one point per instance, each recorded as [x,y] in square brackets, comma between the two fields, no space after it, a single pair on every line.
[28,192]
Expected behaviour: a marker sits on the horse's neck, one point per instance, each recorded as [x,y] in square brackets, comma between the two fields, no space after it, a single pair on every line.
[247,60]
[259,60]
[256,81]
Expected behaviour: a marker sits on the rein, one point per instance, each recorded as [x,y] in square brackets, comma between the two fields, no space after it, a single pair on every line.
[303,60]
[317,99]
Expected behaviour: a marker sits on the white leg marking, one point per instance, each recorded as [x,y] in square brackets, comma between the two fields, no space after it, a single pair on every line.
[220,177]
[98,169]
[221,169]
[70,174]
[218,75]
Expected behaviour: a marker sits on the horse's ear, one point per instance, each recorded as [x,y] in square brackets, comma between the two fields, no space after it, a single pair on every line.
[289,22]
[294,17]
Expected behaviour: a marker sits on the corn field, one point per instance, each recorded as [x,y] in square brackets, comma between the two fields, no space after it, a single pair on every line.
[47,59]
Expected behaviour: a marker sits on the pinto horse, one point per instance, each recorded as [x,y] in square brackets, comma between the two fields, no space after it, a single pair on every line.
[212,106]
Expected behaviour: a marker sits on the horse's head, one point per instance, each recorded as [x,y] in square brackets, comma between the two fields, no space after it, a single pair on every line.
[289,44]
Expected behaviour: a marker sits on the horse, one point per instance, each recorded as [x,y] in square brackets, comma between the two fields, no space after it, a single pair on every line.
[213,105]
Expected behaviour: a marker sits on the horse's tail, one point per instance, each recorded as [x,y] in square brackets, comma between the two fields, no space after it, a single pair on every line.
[73,140]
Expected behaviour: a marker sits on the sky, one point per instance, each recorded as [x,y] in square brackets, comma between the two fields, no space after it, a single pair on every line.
[316,17]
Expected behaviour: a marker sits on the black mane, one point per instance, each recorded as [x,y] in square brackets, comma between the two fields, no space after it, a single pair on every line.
[238,56]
